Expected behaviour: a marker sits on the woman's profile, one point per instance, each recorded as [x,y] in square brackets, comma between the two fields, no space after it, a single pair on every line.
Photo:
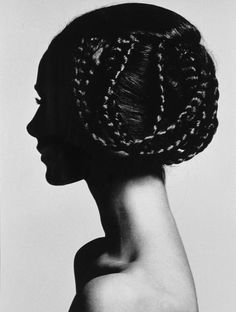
[124,91]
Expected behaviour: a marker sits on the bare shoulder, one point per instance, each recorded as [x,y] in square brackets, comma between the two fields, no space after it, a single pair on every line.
[122,292]
[105,284]
[114,292]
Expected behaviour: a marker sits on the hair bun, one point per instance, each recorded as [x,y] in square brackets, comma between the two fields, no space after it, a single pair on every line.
[184,73]
[196,123]
[171,141]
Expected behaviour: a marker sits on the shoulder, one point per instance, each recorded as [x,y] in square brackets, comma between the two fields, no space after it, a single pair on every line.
[111,292]
[120,293]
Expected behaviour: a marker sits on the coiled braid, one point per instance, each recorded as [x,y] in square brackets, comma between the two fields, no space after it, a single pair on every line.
[121,48]
[196,124]
[109,118]
[172,142]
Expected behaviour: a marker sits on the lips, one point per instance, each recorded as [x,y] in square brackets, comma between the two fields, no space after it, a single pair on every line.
[46,158]
[47,152]
[42,149]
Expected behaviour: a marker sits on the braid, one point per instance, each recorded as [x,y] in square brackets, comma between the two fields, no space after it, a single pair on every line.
[197,123]
[160,66]
[121,48]
[171,141]
[109,116]
[83,74]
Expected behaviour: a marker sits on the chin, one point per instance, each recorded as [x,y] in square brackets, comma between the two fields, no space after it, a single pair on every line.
[61,168]
[57,177]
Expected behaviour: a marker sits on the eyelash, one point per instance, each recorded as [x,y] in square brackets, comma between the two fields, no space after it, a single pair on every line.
[38,101]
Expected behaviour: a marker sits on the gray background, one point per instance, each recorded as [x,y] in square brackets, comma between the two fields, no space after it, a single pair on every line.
[43,226]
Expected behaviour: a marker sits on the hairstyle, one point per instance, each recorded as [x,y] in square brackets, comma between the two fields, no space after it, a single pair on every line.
[142,82]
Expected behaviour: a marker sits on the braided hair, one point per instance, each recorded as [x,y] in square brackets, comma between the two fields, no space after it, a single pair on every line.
[143,83]
[172,141]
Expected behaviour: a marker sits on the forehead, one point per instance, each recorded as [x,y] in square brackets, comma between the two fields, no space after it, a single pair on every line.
[52,72]
[44,75]
[55,89]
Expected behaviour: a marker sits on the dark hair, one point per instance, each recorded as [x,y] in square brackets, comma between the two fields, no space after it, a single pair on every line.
[142,82]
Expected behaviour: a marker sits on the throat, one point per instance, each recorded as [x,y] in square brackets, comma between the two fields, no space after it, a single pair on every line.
[129,212]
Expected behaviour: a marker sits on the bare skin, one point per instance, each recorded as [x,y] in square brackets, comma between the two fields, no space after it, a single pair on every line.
[140,264]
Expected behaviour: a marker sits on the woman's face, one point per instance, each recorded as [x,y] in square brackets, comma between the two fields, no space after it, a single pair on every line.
[51,126]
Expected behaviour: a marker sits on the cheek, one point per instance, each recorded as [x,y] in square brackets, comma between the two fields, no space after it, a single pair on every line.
[65,166]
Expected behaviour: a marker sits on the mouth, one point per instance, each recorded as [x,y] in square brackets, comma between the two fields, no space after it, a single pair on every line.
[46,153]
[45,147]
[45,158]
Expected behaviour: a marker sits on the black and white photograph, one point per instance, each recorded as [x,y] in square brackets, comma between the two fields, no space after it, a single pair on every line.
[118,156]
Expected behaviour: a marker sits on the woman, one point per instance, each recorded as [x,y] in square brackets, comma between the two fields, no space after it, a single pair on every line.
[125,90]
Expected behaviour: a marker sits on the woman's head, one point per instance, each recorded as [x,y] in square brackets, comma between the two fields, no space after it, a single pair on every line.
[131,81]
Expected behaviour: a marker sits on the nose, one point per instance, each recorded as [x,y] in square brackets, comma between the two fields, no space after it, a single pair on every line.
[29,128]
[43,124]
[33,126]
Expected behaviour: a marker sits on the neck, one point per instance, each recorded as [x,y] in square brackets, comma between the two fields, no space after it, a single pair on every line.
[141,230]
[130,210]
